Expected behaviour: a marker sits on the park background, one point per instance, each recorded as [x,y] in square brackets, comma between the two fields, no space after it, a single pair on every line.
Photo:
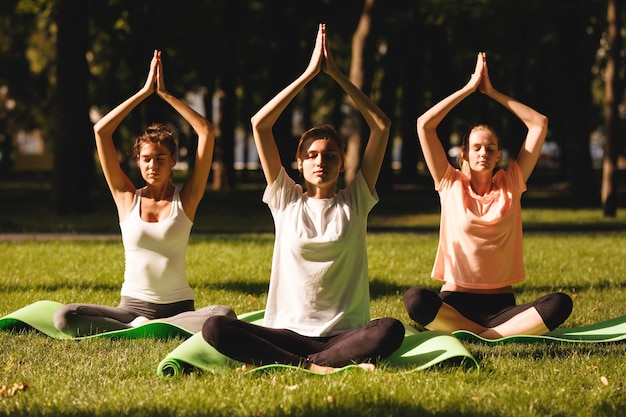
[64,63]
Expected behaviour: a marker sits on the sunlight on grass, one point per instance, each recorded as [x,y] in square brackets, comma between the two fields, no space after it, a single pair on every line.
[101,377]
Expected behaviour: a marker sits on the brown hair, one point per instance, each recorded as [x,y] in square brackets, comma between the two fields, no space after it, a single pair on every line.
[322,132]
[156,133]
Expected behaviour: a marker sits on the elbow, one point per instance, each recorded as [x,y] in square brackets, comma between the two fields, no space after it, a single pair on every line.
[256,125]
[542,122]
[254,121]
[421,123]
[98,129]
[257,122]
[260,123]
[384,124]
[206,129]
[427,124]
[380,121]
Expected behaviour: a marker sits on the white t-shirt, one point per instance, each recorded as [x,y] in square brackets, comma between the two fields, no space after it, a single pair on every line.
[155,255]
[319,284]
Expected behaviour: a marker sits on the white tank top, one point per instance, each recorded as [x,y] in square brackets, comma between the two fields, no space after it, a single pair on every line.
[155,255]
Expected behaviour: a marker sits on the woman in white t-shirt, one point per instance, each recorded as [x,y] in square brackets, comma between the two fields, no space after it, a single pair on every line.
[317,314]
[479,256]
[155,221]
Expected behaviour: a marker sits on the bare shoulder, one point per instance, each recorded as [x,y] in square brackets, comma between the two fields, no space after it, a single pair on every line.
[124,201]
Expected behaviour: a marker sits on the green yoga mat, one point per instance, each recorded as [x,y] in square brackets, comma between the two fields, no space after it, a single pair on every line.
[418,351]
[612,330]
[39,316]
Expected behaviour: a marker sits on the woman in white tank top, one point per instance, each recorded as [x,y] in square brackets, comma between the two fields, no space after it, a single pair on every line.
[155,221]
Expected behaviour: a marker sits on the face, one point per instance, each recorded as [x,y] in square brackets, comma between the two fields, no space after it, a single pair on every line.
[483,151]
[321,163]
[155,162]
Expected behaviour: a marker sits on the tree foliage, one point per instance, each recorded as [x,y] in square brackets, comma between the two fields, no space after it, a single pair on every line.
[247,50]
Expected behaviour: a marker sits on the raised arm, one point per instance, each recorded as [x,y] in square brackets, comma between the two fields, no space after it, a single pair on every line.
[194,188]
[378,122]
[434,153]
[264,120]
[536,123]
[122,188]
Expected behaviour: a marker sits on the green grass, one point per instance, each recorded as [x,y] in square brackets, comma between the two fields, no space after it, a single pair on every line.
[118,377]
[228,262]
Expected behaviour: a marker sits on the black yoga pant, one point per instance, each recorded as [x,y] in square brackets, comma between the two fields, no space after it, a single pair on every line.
[488,310]
[259,345]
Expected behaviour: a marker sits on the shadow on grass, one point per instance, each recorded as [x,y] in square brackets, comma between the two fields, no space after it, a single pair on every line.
[256,289]
[62,286]
[381,408]
[543,349]
[378,288]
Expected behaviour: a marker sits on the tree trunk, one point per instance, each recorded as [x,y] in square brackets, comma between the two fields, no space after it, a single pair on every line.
[410,78]
[223,165]
[572,122]
[353,146]
[74,145]
[612,97]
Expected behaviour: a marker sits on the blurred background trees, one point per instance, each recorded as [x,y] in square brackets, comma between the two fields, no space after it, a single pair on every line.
[64,63]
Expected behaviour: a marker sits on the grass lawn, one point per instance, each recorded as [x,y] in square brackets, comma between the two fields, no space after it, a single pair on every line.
[575,251]
[105,378]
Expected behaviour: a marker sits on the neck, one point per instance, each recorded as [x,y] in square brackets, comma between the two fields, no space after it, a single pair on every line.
[159,192]
[481,184]
[318,192]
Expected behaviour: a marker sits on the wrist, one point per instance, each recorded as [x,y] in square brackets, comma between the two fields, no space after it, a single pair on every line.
[164,94]
[144,93]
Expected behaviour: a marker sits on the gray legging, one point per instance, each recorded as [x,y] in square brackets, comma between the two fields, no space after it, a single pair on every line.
[89,319]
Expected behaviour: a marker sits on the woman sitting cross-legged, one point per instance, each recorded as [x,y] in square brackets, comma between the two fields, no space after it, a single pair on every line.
[317,314]
[155,221]
[479,256]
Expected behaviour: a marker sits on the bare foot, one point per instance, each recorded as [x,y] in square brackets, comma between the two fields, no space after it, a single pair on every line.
[138,321]
[319,369]
[368,366]
[490,334]
[244,368]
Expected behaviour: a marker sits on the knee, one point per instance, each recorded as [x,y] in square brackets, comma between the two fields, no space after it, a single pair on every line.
[422,304]
[396,332]
[63,317]
[213,329]
[391,335]
[554,309]
[393,328]
[217,310]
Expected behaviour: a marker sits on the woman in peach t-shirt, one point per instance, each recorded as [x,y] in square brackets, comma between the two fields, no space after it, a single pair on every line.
[480,256]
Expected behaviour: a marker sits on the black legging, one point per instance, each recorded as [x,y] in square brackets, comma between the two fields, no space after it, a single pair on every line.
[259,345]
[488,310]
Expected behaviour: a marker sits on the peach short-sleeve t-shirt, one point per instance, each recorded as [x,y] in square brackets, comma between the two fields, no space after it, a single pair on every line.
[480,240]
